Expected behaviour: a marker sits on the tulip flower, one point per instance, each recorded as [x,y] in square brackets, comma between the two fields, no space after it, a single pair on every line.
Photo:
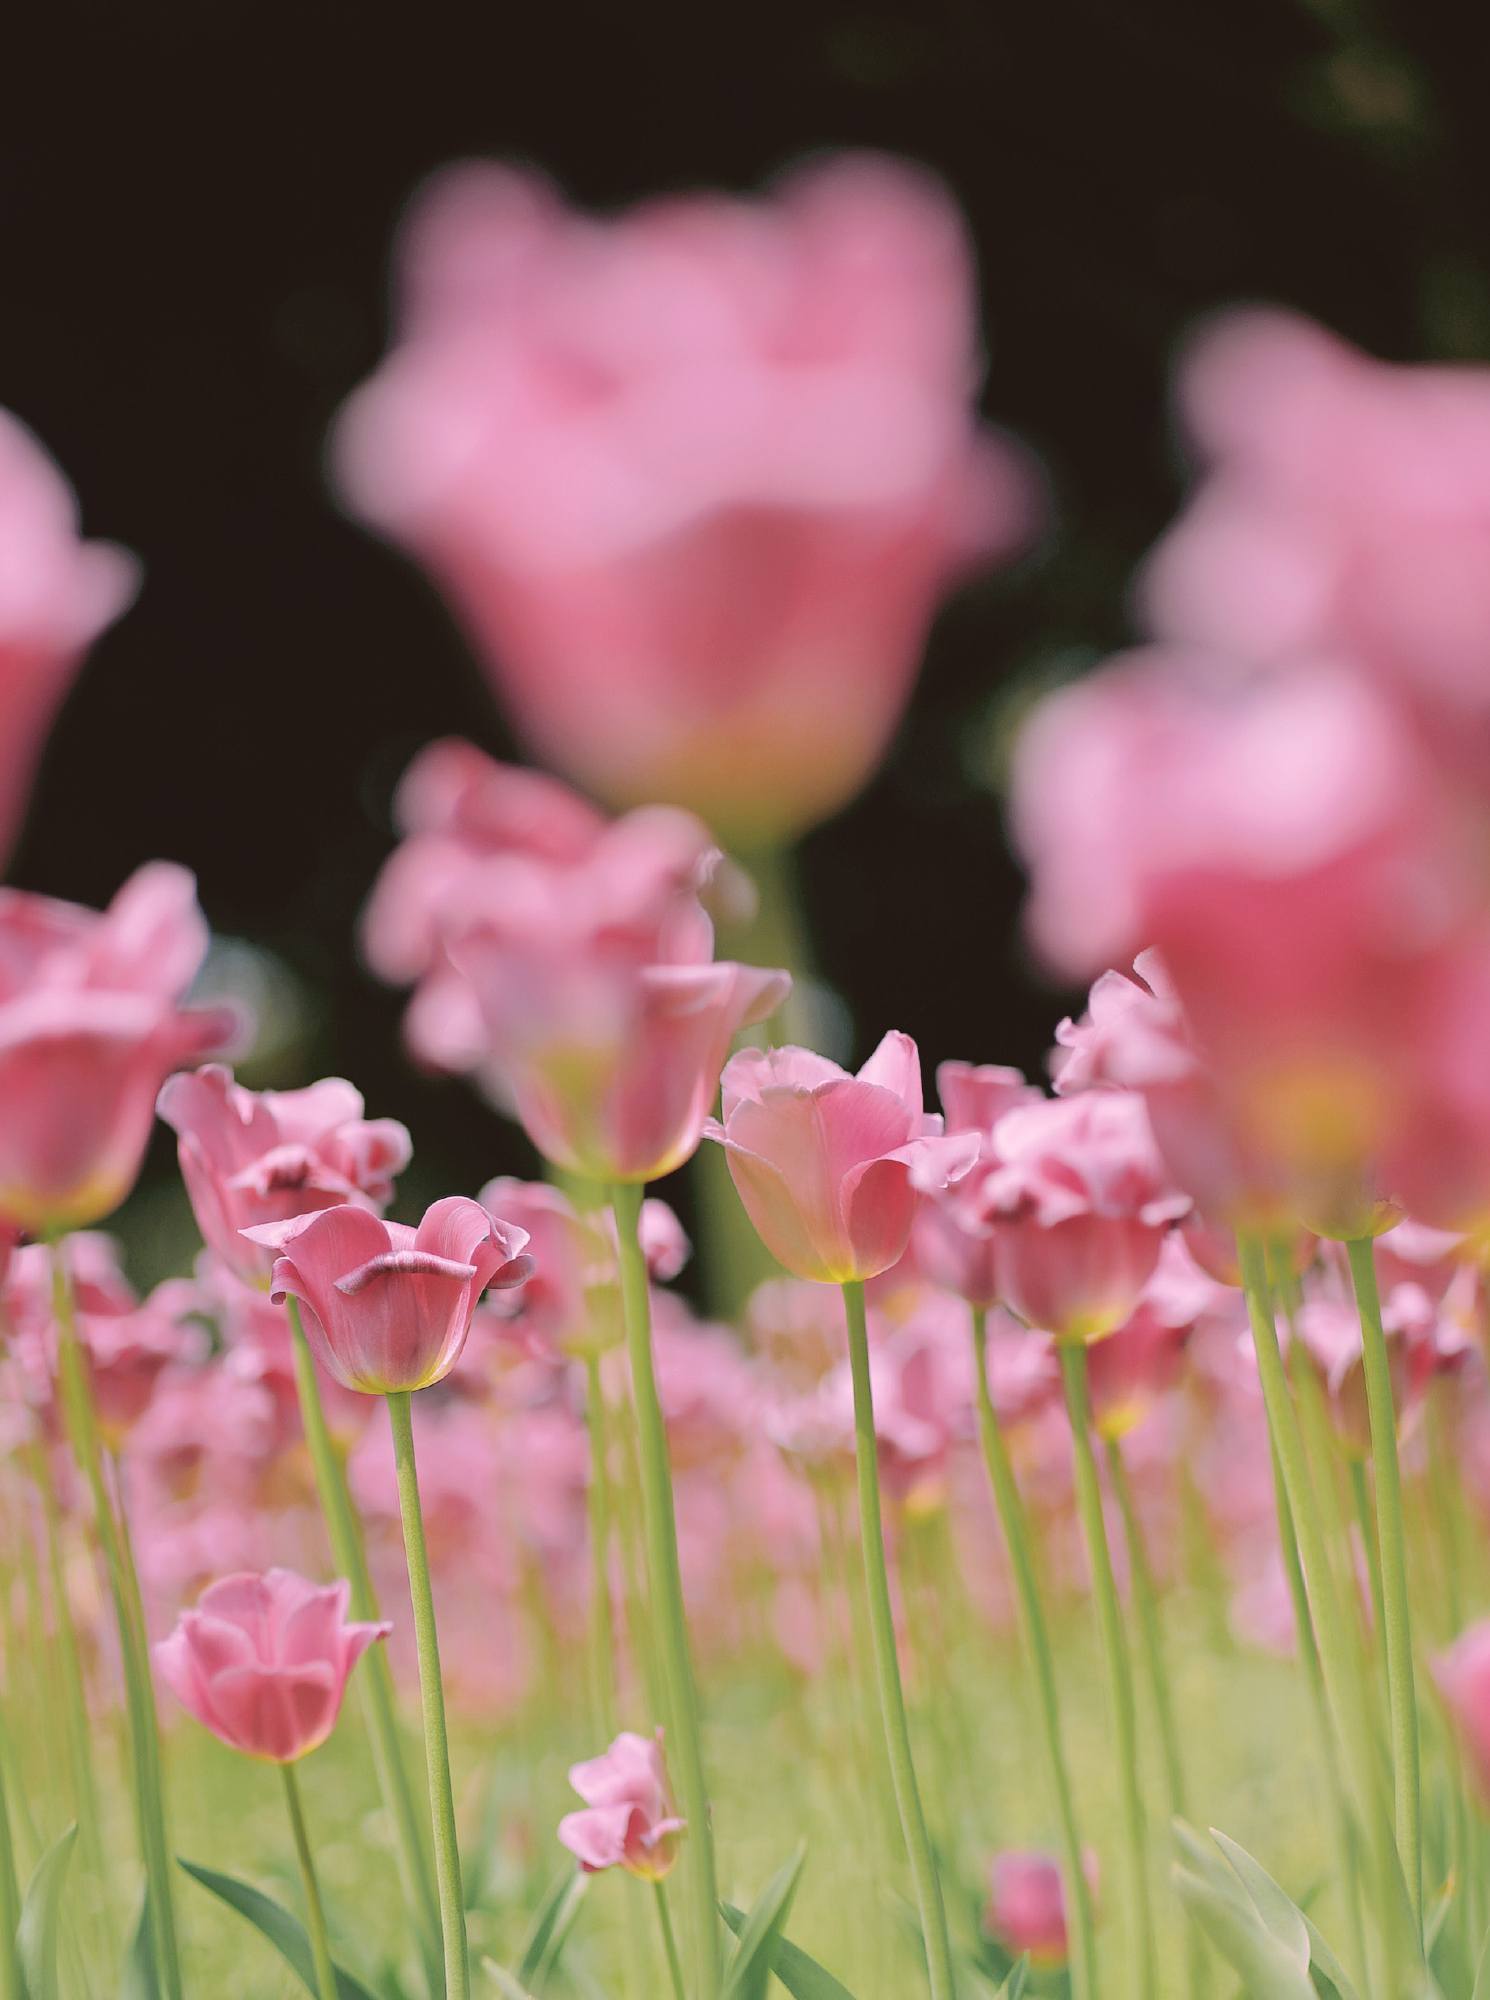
[831,1167]
[263,1662]
[1027,1905]
[251,1158]
[387,1307]
[1463,1677]
[89,1026]
[628,1821]
[57,594]
[695,479]
[955,1243]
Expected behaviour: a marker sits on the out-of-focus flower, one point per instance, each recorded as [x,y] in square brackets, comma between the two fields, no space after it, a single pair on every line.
[251,1157]
[387,1307]
[1463,1677]
[695,478]
[1080,1204]
[90,1024]
[954,1242]
[1138,1364]
[628,1819]
[830,1166]
[57,593]
[1344,513]
[127,1353]
[1027,1904]
[263,1661]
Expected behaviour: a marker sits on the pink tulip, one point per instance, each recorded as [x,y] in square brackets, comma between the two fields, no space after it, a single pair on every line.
[830,1166]
[89,1026]
[388,1308]
[1027,1904]
[57,593]
[628,1821]
[695,478]
[251,1157]
[954,1242]
[128,1352]
[263,1661]
[1080,1205]
[1463,1677]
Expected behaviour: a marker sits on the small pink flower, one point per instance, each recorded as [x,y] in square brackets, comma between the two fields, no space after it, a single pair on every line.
[830,1166]
[89,1026]
[388,1308]
[628,1821]
[954,1243]
[1027,1904]
[57,593]
[1463,1677]
[252,1157]
[695,477]
[263,1661]
[1080,1205]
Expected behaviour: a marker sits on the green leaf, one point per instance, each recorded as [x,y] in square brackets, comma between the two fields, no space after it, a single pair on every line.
[1482,1973]
[1013,1987]
[141,1981]
[1281,1915]
[1434,1921]
[552,1924]
[749,1968]
[285,1932]
[800,1974]
[506,1985]
[36,1934]
[1229,1918]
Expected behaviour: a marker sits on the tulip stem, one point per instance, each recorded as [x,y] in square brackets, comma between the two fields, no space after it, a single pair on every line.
[1391,1537]
[602,1631]
[886,1661]
[375,1682]
[1344,1686]
[76,1395]
[1037,1643]
[315,1914]
[669,1943]
[11,1984]
[1119,1667]
[432,1693]
[661,1532]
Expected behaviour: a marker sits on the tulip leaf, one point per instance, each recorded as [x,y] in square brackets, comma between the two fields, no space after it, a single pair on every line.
[1482,1973]
[749,1968]
[36,1935]
[552,1925]
[140,1980]
[1013,1987]
[1267,1968]
[284,1931]
[506,1985]
[1281,1915]
[800,1974]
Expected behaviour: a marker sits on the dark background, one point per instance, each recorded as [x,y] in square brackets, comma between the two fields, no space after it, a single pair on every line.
[195,209]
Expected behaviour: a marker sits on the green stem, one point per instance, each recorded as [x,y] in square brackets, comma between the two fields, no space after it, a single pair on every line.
[1343,1684]
[669,1943]
[11,1987]
[1360,1495]
[1119,1669]
[1392,1543]
[70,1673]
[1037,1643]
[432,1693]
[886,1661]
[315,1914]
[602,1633]
[375,1680]
[144,1736]
[660,1529]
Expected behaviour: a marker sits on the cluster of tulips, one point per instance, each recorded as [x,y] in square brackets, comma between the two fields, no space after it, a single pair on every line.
[1206,1320]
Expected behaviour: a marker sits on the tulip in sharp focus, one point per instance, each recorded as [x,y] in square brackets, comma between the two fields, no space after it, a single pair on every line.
[57,593]
[628,1819]
[830,1166]
[255,1157]
[90,1025]
[1080,1205]
[388,1308]
[263,1661]
[695,478]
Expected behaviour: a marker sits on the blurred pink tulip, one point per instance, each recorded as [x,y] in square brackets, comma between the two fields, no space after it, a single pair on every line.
[251,1157]
[89,1026]
[830,1166]
[695,478]
[263,1661]
[1027,1904]
[1080,1204]
[628,1821]
[57,593]
[1463,1677]
[954,1241]
[388,1308]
